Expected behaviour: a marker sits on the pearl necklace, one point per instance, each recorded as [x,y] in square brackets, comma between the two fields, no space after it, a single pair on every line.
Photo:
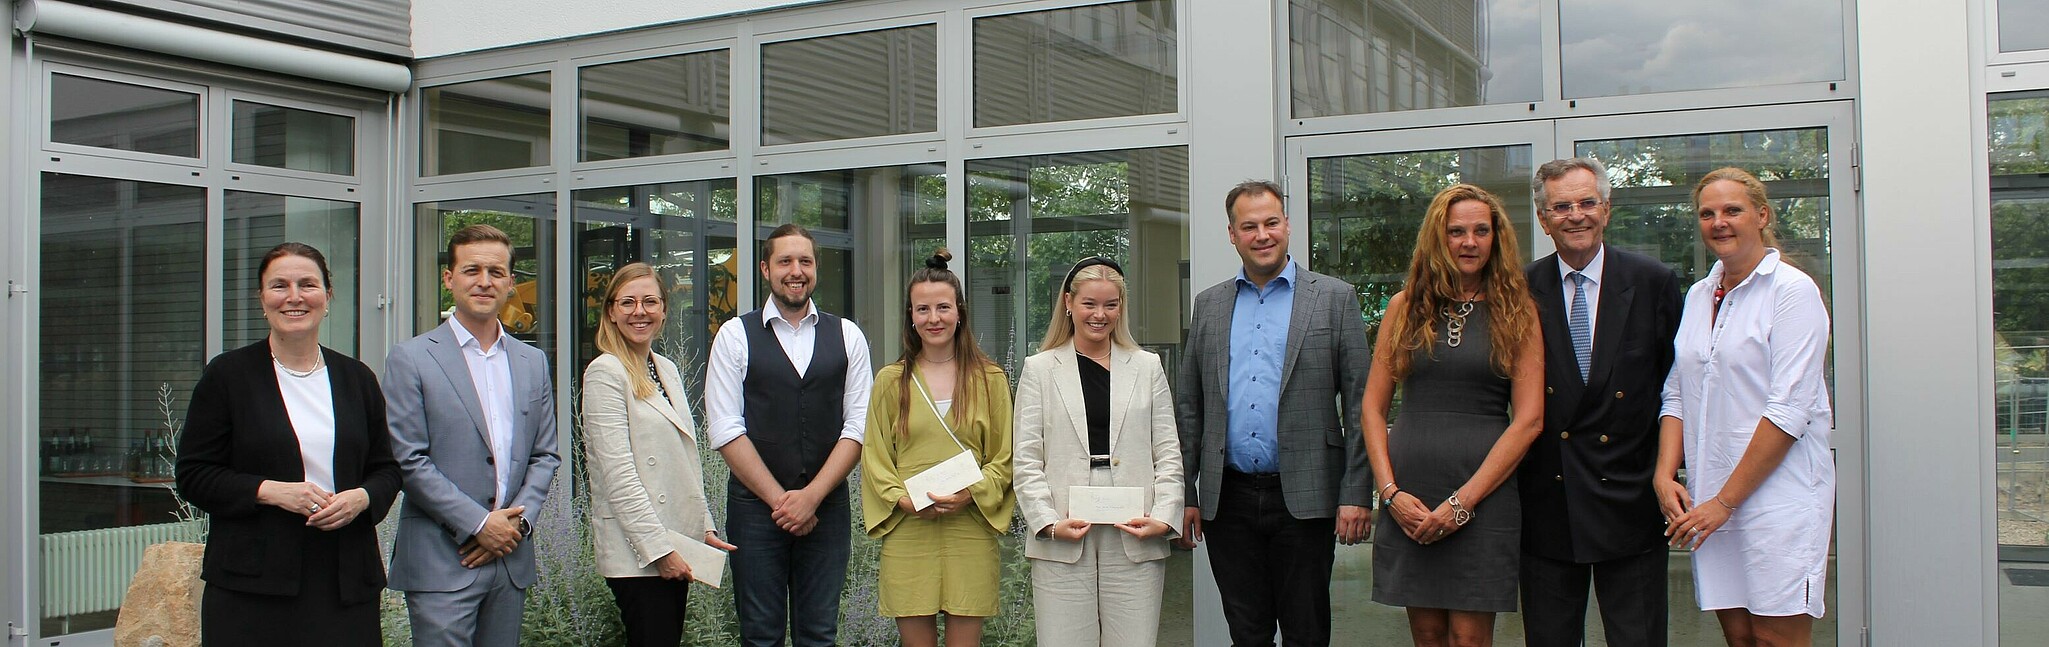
[317,364]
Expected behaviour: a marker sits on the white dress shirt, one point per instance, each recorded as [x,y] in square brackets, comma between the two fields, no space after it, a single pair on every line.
[491,373]
[725,401]
[1761,359]
[309,403]
[1593,274]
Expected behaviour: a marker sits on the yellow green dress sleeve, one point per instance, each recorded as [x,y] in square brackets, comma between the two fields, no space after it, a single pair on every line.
[882,484]
[994,499]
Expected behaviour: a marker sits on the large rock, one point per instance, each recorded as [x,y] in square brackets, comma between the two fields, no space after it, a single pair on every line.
[162,609]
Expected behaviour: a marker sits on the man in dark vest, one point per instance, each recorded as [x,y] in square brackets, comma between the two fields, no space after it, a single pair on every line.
[786,397]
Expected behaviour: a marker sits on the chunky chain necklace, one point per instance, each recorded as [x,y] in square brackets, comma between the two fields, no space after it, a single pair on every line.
[1455,321]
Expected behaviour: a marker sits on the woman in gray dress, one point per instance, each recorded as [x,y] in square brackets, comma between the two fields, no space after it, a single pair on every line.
[1461,340]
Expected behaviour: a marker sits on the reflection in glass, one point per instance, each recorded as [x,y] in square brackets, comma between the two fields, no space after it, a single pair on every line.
[123,116]
[484,125]
[529,220]
[2019,129]
[2020,25]
[657,106]
[1621,47]
[257,222]
[867,84]
[121,343]
[1106,60]
[290,138]
[1030,218]
[1364,210]
[866,225]
[667,226]
[1361,56]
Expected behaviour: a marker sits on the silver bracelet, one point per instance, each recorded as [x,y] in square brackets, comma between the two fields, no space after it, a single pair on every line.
[1459,514]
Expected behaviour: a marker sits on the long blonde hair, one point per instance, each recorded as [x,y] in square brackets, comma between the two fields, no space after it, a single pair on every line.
[1061,329]
[610,341]
[1433,284]
[969,363]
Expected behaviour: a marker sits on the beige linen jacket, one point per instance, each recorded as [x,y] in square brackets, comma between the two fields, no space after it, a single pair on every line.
[1052,451]
[647,484]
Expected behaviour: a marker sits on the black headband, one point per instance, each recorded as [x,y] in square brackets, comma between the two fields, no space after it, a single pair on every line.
[1092,261]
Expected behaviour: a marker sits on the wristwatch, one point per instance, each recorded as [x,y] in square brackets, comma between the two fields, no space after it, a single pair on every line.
[526,530]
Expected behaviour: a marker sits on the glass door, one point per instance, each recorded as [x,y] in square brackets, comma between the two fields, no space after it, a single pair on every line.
[1357,200]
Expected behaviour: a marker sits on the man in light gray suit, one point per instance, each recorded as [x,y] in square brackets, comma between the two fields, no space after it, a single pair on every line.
[1268,400]
[472,415]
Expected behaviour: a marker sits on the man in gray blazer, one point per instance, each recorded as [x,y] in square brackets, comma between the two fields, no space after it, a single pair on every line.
[1268,397]
[472,416]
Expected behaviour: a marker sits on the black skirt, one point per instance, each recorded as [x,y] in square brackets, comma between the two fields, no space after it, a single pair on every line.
[314,617]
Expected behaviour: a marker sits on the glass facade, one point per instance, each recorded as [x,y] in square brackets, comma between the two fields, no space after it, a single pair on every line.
[882,82]
[254,223]
[1106,60]
[858,218]
[487,125]
[290,138]
[657,106]
[123,116]
[1620,47]
[2018,126]
[2020,24]
[1363,56]
[529,314]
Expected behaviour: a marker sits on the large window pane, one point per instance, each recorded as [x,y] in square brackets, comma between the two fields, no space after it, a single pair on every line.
[1359,56]
[1030,218]
[1618,47]
[485,125]
[290,138]
[257,222]
[657,106]
[2020,25]
[669,227]
[123,116]
[1364,210]
[860,219]
[882,82]
[2019,128]
[529,220]
[122,340]
[1107,60]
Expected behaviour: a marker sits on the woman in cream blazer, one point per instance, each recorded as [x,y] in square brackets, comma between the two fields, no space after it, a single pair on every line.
[1096,584]
[640,445]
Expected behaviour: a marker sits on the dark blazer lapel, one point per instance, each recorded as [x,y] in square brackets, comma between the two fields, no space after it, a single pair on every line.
[1561,372]
[525,362]
[448,353]
[1122,382]
[1610,326]
[271,400]
[1219,354]
[1298,325]
[1067,378]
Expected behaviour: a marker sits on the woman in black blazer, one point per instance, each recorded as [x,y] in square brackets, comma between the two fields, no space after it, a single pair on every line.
[285,448]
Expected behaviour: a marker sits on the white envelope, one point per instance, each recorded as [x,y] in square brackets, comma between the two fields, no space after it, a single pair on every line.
[949,476]
[1105,504]
[707,564]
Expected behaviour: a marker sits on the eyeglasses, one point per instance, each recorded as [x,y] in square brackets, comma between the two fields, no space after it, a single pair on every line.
[652,304]
[1563,209]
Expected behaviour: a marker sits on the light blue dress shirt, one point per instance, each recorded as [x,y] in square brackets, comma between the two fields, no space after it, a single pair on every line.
[1259,343]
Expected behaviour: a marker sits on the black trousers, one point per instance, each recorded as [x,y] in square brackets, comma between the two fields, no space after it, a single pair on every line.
[1631,592]
[652,608]
[1272,569]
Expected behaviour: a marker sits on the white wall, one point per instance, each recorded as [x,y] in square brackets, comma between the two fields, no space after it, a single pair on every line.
[443,27]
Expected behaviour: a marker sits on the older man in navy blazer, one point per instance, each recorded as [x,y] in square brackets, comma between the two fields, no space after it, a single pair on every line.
[472,416]
[1588,509]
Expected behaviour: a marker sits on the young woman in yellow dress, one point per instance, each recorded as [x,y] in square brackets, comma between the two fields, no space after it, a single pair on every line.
[941,398]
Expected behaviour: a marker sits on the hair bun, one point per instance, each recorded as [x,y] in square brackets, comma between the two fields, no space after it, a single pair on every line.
[938,259]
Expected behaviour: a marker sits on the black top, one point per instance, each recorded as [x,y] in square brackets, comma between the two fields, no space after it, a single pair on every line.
[1095,393]
[794,421]
[656,377]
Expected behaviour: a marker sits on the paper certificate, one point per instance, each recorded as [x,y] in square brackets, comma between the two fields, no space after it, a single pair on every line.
[707,564]
[1105,504]
[949,476]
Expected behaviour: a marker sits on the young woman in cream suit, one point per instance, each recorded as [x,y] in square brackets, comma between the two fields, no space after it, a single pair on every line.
[1093,409]
[640,445]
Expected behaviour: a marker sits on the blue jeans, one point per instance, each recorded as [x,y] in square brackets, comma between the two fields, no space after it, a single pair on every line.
[780,579]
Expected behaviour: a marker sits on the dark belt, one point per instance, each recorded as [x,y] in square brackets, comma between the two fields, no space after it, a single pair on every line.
[1099,460]
[1251,479]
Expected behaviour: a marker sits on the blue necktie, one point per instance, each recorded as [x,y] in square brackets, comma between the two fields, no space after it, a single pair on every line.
[1581,325]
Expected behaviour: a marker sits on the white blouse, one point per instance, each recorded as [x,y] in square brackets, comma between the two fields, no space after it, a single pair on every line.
[1762,358]
[309,402]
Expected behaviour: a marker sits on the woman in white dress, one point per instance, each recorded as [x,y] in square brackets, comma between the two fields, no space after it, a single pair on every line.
[1747,408]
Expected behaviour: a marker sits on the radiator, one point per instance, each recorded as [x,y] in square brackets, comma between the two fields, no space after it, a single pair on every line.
[88,571]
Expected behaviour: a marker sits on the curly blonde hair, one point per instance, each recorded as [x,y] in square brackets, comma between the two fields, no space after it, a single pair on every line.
[1433,284]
